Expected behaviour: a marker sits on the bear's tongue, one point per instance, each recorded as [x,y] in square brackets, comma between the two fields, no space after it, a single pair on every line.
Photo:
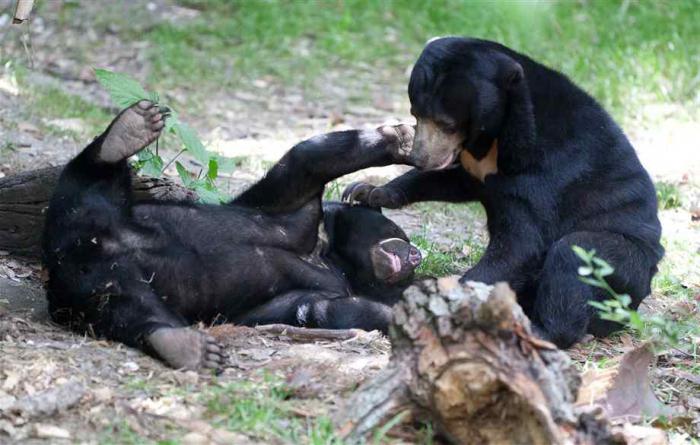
[394,261]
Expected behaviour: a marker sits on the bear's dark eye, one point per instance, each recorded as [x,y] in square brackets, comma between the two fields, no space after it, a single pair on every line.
[447,128]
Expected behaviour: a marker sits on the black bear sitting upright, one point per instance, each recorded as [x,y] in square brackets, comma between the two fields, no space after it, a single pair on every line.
[140,273]
[551,168]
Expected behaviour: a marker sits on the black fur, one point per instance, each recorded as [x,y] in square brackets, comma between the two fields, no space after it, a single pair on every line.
[122,270]
[567,175]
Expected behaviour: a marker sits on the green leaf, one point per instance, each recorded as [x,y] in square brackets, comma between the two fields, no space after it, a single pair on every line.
[380,434]
[149,163]
[585,271]
[585,255]
[153,167]
[592,282]
[208,195]
[171,122]
[191,142]
[604,269]
[622,313]
[614,304]
[636,321]
[608,316]
[581,253]
[598,305]
[124,90]
[213,170]
[226,165]
[184,175]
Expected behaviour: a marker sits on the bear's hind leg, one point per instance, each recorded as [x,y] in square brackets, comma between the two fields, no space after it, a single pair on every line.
[561,310]
[128,311]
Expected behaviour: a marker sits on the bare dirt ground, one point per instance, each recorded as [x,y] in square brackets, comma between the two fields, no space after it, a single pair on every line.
[58,387]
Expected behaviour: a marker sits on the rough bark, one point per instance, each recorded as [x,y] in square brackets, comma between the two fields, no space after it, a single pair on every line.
[464,358]
[24,197]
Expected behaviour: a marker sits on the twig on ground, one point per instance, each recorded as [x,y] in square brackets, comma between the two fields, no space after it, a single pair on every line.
[308,334]
[23,10]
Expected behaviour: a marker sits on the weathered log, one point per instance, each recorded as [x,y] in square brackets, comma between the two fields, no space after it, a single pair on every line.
[24,197]
[465,359]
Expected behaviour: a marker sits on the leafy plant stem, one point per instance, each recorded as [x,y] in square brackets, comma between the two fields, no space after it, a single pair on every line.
[170,162]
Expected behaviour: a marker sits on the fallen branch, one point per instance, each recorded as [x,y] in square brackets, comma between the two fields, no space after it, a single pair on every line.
[24,197]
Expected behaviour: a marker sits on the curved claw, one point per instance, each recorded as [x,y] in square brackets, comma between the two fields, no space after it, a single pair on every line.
[214,356]
[357,192]
[186,348]
[373,196]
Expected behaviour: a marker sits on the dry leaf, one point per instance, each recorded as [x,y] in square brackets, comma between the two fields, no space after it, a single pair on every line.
[203,433]
[642,435]
[11,380]
[51,401]
[624,390]
[103,394]
[44,431]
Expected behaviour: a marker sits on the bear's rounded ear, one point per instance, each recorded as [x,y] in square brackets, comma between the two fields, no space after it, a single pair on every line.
[514,74]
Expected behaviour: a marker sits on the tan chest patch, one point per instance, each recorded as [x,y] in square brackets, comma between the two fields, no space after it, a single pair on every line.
[480,169]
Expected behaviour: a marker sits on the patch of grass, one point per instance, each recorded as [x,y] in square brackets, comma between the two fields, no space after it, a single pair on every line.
[333,191]
[668,195]
[52,103]
[437,261]
[7,148]
[668,284]
[121,433]
[426,435]
[464,212]
[263,410]
[137,384]
[465,247]
[624,53]
[673,270]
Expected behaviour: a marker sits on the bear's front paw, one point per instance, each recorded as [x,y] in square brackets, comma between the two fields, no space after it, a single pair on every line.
[400,137]
[373,196]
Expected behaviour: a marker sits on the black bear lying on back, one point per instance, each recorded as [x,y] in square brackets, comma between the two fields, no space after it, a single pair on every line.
[140,273]
[551,168]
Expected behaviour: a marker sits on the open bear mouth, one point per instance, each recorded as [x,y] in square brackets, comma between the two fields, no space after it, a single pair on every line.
[394,261]
[446,162]
[398,258]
